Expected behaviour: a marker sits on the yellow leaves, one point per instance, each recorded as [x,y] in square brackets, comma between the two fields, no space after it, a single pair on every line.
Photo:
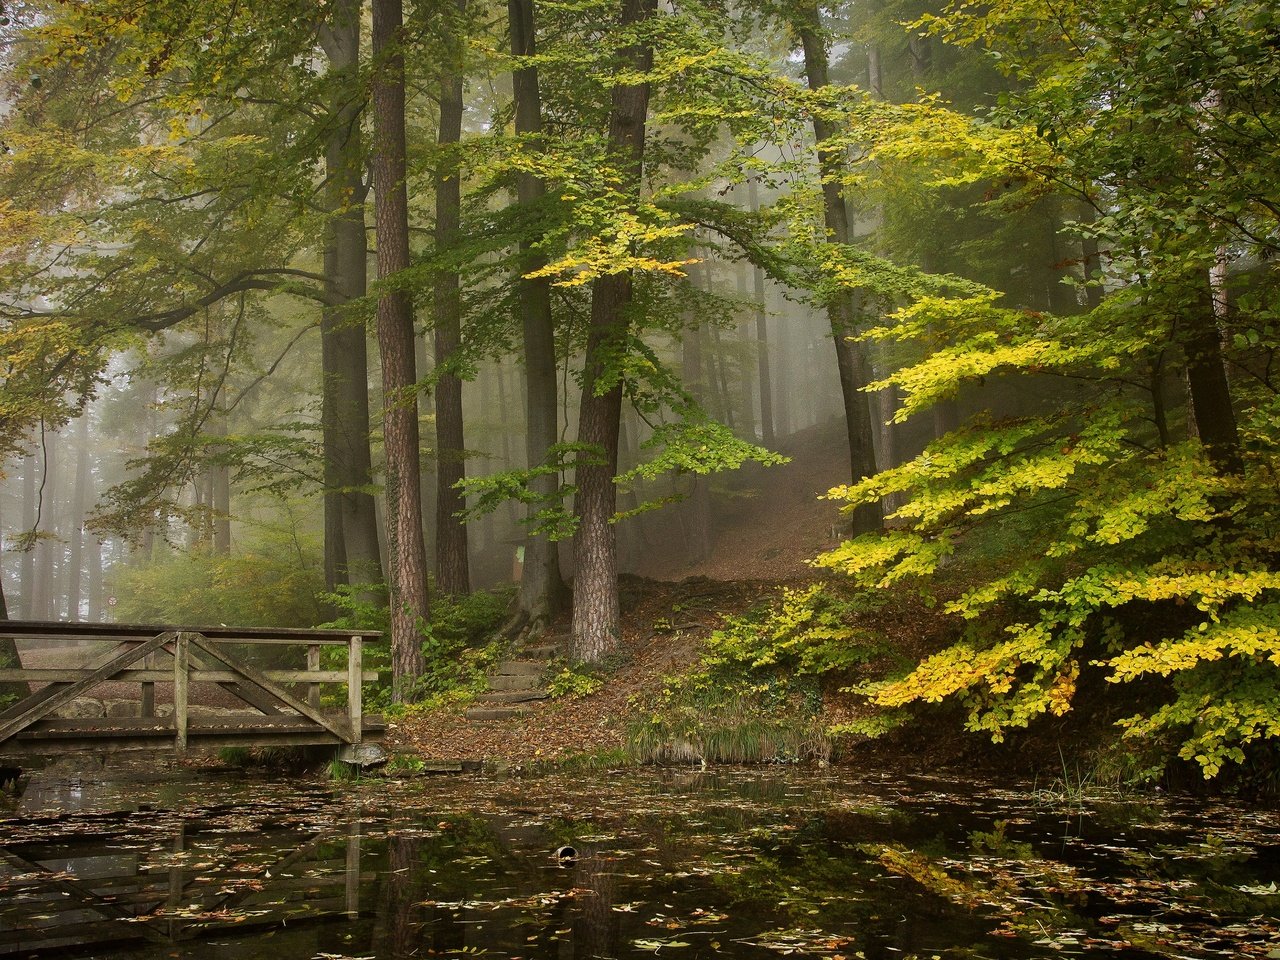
[1249,633]
[615,246]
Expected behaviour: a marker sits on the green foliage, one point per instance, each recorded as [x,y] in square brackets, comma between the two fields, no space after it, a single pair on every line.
[806,632]
[574,680]
[750,730]
[756,692]
[272,581]
[457,644]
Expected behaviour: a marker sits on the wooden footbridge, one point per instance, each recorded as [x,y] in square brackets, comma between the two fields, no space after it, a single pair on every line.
[66,663]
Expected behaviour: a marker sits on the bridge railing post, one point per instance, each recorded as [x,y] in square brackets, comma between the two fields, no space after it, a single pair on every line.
[181,674]
[313,666]
[355,681]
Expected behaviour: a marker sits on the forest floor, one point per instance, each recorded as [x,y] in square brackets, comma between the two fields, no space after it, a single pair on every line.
[767,529]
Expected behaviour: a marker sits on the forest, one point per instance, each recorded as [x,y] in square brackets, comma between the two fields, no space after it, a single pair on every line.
[392,311]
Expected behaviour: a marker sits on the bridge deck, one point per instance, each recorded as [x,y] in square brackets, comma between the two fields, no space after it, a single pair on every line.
[278,707]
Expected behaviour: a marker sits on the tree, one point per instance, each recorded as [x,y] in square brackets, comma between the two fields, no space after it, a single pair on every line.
[407,582]
[842,309]
[596,615]
[452,566]
[352,553]
[1123,549]
[542,589]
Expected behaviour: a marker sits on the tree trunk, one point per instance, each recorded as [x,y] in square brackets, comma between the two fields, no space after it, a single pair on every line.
[767,435]
[543,593]
[27,565]
[1207,383]
[453,575]
[220,490]
[407,583]
[96,586]
[352,553]
[595,592]
[698,509]
[79,504]
[842,310]
[8,656]
[42,599]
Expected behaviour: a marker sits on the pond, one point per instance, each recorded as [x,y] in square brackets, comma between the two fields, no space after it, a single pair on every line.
[736,863]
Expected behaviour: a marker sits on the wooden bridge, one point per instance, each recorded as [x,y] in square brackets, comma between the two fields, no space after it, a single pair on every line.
[65,662]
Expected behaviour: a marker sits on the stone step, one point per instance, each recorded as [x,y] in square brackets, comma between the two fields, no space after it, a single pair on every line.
[546,651]
[512,696]
[520,681]
[521,668]
[495,713]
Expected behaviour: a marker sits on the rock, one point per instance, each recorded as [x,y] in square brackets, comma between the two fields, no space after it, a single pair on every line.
[82,708]
[123,708]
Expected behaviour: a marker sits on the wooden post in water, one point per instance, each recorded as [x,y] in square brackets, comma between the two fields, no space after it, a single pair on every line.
[180,675]
[353,869]
[355,677]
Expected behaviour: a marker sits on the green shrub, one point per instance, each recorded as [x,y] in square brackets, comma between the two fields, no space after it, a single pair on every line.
[272,581]
[574,680]
[457,641]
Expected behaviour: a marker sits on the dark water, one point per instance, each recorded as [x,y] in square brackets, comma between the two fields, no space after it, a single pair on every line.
[732,864]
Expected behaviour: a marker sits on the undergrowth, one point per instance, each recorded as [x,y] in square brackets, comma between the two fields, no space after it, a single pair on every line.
[458,645]
[756,695]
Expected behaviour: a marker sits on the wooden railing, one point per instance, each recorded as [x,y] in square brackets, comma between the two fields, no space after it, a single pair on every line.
[147,655]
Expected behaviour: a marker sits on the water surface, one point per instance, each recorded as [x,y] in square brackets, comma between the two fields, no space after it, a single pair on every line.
[748,864]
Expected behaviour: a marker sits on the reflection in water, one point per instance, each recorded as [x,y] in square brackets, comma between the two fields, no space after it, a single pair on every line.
[740,865]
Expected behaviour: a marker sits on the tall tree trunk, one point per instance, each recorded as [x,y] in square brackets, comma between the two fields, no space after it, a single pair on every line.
[746,373]
[842,310]
[408,556]
[42,602]
[698,509]
[543,593]
[1207,383]
[220,489]
[767,435]
[453,575]
[595,591]
[352,553]
[96,587]
[27,566]
[9,657]
[79,504]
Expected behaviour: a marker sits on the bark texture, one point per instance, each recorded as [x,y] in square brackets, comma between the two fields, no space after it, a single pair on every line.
[407,582]
[542,589]
[352,553]
[842,310]
[595,590]
[1211,407]
[453,574]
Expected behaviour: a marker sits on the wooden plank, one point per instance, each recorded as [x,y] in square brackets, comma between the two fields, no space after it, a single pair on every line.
[38,629]
[355,695]
[54,675]
[233,686]
[313,668]
[180,680]
[38,697]
[257,679]
[68,693]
